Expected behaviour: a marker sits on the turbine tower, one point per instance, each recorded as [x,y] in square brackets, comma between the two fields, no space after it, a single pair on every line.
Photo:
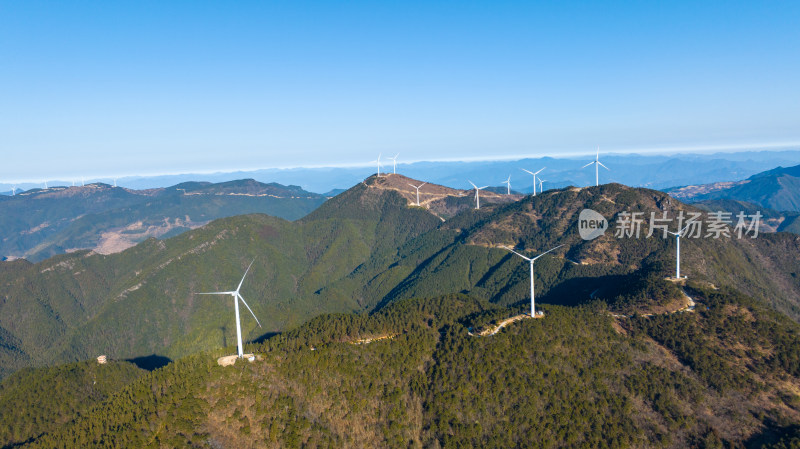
[678,236]
[378,161]
[236,297]
[477,197]
[417,187]
[597,165]
[534,178]
[394,163]
[531,260]
[508,182]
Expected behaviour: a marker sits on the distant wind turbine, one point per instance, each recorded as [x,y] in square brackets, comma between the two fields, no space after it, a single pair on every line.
[13,190]
[477,197]
[508,182]
[531,261]
[541,182]
[394,163]
[418,187]
[597,165]
[236,297]
[678,236]
[115,182]
[378,161]
[534,178]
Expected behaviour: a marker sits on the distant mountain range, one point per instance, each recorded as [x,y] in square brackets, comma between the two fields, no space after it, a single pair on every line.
[652,171]
[777,189]
[39,223]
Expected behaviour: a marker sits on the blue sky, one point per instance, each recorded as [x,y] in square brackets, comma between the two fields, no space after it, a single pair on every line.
[143,87]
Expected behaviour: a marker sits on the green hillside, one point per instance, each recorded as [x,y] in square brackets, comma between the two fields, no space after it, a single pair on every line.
[43,223]
[361,251]
[35,401]
[723,376]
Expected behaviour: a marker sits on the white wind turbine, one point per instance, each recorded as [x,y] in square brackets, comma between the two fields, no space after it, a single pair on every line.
[418,187]
[531,261]
[45,185]
[394,163]
[534,178]
[678,236]
[508,182]
[378,161]
[236,297]
[477,197]
[597,165]
[13,190]
[541,182]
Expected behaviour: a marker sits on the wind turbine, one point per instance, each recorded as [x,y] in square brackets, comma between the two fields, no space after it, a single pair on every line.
[597,165]
[534,178]
[45,185]
[531,261]
[477,197]
[394,163]
[378,161]
[541,181]
[678,236]
[115,182]
[236,297]
[417,187]
[13,190]
[508,181]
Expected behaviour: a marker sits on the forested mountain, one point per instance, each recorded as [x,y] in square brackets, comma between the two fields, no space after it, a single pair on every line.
[40,223]
[777,189]
[725,375]
[360,251]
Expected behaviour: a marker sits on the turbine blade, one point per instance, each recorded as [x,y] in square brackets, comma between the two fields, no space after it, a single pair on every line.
[520,255]
[473,185]
[539,171]
[601,164]
[481,188]
[551,249]
[528,171]
[422,184]
[216,293]
[245,274]
[248,308]
[590,163]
